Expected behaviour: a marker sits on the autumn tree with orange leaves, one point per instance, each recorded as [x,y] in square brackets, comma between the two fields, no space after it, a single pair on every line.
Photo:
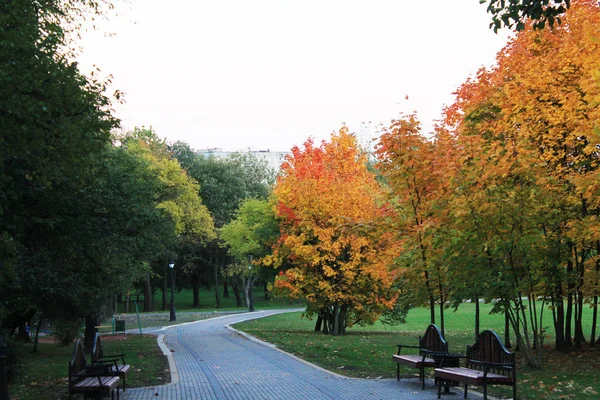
[328,202]
[416,169]
[526,194]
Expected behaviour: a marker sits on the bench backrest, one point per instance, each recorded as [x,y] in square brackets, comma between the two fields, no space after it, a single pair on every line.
[77,365]
[433,340]
[97,352]
[489,348]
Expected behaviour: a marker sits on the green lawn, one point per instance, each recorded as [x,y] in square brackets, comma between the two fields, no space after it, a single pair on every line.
[366,351]
[184,301]
[45,372]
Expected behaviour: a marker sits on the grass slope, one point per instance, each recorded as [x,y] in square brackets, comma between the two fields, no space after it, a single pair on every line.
[365,352]
[44,374]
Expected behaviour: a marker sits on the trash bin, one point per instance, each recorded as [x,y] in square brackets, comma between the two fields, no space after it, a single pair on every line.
[120,325]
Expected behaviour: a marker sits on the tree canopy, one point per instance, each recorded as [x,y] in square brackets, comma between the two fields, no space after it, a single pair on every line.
[516,13]
[327,201]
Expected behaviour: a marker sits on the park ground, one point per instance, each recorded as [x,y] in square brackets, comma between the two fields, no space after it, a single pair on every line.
[364,352]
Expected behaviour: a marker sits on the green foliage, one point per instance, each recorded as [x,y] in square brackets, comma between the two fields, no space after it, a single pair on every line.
[517,12]
[226,182]
[177,195]
[55,126]
[79,217]
[253,231]
[66,330]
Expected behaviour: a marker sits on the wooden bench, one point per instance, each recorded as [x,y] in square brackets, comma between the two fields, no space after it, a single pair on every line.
[488,362]
[110,364]
[433,350]
[88,380]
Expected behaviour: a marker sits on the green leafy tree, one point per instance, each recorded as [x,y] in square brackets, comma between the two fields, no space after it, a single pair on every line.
[224,184]
[248,238]
[515,13]
[55,127]
[177,195]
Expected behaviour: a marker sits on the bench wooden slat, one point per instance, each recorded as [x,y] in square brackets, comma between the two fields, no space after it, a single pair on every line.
[414,361]
[471,376]
[91,384]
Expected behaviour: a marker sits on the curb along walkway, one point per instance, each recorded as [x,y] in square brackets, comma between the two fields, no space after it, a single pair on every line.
[214,362]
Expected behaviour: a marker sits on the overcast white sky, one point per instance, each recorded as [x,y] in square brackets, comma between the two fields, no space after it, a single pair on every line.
[268,74]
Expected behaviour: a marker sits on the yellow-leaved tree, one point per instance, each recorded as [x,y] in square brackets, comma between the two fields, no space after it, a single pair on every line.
[328,203]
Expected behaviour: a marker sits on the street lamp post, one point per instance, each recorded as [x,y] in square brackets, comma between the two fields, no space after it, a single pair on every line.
[250,300]
[172,316]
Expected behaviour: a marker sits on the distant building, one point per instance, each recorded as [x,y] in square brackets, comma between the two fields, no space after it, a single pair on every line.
[368,136]
[273,158]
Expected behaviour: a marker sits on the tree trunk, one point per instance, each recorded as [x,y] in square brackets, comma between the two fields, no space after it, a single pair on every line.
[442,325]
[477,316]
[595,312]
[594,322]
[336,320]
[250,299]
[148,298]
[23,334]
[196,291]
[165,287]
[266,290]
[225,289]
[579,336]
[237,294]
[506,330]
[558,313]
[217,296]
[91,322]
[569,313]
[431,298]
[342,318]
[37,334]
[319,322]
[568,321]
[326,320]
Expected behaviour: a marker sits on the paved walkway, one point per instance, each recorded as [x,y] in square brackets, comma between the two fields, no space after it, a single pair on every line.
[213,361]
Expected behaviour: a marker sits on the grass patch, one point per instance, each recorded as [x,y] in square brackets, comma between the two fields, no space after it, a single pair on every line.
[45,372]
[365,352]
[157,320]
[184,301]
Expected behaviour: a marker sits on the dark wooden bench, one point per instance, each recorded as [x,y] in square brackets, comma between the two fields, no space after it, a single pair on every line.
[488,362]
[433,352]
[111,364]
[89,380]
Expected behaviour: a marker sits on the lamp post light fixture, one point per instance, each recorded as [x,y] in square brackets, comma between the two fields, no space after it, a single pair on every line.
[172,316]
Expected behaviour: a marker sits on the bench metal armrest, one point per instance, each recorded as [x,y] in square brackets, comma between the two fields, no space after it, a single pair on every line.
[400,346]
[117,356]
